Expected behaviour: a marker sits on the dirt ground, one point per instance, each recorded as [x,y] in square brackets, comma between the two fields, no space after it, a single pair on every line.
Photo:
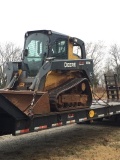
[99,141]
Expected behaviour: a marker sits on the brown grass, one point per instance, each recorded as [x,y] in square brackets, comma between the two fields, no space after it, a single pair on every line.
[99,93]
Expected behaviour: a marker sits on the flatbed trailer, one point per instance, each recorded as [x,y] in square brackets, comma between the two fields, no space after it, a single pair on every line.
[57,119]
[21,124]
[15,122]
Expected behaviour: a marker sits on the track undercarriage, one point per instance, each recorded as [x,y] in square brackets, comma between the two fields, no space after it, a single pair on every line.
[74,94]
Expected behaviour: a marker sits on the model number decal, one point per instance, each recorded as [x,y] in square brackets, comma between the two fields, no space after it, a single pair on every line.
[66,64]
[88,62]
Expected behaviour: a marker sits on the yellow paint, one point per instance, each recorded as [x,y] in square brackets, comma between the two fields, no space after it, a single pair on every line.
[19,71]
[55,79]
[21,84]
[83,86]
[71,56]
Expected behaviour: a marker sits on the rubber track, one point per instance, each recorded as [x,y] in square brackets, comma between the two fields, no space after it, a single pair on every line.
[66,86]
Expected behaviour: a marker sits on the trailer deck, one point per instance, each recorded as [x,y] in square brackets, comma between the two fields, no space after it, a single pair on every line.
[98,110]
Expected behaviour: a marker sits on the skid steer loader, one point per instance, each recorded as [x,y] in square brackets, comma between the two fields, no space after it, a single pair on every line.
[53,76]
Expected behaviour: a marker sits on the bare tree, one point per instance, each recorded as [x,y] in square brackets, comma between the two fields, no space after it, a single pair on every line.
[109,69]
[96,51]
[8,52]
[115,54]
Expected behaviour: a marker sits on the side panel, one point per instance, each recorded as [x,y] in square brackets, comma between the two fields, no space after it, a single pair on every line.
[86,66]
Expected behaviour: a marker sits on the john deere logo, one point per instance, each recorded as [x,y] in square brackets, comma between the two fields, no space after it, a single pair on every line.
[69,64]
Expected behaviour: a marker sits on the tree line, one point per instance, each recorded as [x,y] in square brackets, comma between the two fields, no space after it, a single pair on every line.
[106,60]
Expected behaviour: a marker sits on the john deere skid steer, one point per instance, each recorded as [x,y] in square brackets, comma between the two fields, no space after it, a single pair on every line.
[53,76]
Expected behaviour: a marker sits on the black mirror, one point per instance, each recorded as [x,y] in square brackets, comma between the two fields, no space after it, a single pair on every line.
[25,52]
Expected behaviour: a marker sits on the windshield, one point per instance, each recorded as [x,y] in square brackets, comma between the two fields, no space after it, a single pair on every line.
[37,46]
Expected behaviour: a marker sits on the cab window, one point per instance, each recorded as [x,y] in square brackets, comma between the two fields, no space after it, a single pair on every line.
[77,50]
[59,49]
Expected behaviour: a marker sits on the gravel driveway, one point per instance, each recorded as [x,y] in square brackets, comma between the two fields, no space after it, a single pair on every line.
[99,141]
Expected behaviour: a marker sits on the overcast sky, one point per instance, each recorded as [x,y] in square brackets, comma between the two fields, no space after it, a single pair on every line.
[89,20]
